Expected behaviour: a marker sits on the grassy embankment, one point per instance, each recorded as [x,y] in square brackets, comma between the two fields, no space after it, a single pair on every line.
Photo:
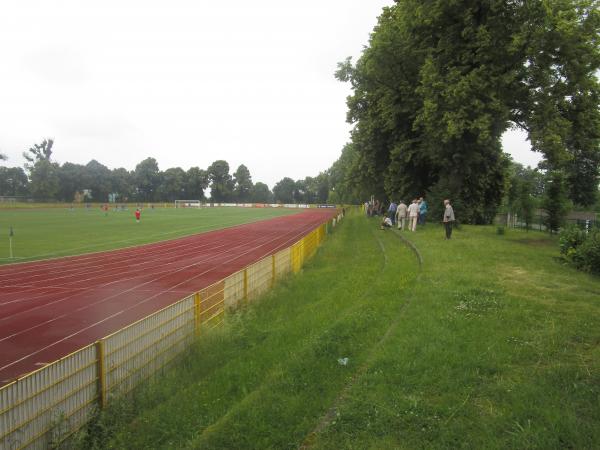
[49,233]
[493,344]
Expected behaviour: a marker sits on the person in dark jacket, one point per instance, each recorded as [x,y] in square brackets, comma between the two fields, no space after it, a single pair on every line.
[448,218]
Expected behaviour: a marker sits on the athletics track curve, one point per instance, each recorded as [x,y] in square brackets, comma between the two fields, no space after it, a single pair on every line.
[51,308]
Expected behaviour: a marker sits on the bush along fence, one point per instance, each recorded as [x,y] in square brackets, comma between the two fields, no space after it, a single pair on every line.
[581,248]
[47,406]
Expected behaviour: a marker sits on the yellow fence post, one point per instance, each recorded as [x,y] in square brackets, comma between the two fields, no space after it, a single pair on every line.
[197,311]
[245,284]
[101,373]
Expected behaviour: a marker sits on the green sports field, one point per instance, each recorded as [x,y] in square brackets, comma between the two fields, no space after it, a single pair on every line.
[50,233]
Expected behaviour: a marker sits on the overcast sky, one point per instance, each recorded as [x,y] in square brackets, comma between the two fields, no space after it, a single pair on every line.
[186,82]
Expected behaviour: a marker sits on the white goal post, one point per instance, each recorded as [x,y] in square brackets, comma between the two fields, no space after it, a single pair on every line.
[188,203]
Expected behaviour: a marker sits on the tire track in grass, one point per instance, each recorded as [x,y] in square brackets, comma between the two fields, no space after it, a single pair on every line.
[332,413]
[227,433]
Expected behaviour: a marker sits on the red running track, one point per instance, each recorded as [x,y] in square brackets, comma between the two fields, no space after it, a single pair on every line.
[49,309]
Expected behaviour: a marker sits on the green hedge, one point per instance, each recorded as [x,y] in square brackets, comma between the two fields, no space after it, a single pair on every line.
[581,249]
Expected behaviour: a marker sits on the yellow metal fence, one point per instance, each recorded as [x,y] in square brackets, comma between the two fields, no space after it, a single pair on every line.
[50,404]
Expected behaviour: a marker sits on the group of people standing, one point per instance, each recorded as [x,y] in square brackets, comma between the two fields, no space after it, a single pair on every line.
[407,217]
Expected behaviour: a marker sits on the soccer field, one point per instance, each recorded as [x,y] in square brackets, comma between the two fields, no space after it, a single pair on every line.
[50,233]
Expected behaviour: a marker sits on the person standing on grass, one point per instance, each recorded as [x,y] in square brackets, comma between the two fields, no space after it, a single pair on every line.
[413,214]
[401,213]
[448,218]
[422,211]
[138,214]
[392,211]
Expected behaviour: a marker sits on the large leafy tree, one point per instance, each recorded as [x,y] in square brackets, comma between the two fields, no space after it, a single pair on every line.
[72,178]
[261,193]
[555,202]
[38,152]
[221,187]
[173,184]
[43,173]
[122,183]
[284,190]
[99,180]
[196,182]
[441,80]
[343,176]
[44,180]
[13,181]
[147,179]
[243,184]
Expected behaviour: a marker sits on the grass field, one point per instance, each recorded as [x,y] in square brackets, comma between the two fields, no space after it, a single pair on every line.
[491,344]
[48,233]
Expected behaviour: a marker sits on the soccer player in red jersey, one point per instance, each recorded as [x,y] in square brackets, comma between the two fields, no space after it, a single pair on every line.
[137,215]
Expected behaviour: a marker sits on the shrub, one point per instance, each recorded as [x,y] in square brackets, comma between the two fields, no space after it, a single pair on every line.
[587,255]
[581,248]
[570,238]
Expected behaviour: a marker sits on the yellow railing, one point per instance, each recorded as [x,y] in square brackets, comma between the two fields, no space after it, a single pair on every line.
[51,403]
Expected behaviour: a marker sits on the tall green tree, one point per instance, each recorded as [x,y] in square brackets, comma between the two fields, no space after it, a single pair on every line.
[344,183]
[196,182]
[261,193]
[13,181]
[284,189]
[442,80]
[243,184]
[38,152]
[521,196]
[122,184]
[221,183]
[147,179]
[173,185]
[43,173]
[72,178]
[99,180]
[555,202]
[44,180]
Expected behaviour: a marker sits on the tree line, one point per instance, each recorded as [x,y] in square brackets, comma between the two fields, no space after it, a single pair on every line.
[43,179]
[441,81]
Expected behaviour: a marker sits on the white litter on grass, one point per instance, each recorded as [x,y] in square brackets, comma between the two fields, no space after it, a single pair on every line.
[343,361]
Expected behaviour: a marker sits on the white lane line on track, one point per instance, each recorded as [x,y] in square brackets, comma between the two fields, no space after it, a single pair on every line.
[157,257]
[304,231]
[124,257]
[101,273]
[159,274]
[166,273]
